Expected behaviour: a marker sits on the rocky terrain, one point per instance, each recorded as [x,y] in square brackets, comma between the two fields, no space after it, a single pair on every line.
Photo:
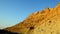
[46,21]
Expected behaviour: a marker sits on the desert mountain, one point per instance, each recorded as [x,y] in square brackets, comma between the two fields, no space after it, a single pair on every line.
[46,21]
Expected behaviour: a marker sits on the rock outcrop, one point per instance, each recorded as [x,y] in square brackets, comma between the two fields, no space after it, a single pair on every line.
[46,21]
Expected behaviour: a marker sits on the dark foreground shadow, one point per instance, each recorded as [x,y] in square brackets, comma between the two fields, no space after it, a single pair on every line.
[6,32]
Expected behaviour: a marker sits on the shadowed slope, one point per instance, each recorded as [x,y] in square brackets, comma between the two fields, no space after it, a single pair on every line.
[6,32]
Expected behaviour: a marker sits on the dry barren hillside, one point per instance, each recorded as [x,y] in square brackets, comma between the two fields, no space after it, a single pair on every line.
[46,21]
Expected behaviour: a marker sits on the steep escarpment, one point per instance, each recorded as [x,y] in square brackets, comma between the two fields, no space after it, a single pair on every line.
[46,21]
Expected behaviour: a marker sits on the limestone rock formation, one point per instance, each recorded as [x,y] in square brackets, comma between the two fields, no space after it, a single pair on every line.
[46,21]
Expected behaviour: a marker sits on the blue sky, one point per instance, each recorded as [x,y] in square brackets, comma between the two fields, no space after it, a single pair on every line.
[15,11]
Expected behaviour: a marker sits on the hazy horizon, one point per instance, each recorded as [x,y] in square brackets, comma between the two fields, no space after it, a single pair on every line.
[15,11]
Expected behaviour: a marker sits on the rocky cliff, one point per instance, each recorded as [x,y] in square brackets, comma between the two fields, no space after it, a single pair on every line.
[47,18]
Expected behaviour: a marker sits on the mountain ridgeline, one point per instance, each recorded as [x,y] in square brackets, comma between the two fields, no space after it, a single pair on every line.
[46,21]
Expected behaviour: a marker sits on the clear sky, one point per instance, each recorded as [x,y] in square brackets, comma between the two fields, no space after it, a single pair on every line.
[15,11]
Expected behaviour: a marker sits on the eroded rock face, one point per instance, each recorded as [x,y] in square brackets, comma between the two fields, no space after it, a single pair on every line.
[46,21]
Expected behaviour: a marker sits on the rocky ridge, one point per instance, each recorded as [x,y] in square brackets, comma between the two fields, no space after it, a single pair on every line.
[35,20]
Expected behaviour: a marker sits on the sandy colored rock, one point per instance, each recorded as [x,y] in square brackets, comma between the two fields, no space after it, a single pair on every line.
[46,21]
